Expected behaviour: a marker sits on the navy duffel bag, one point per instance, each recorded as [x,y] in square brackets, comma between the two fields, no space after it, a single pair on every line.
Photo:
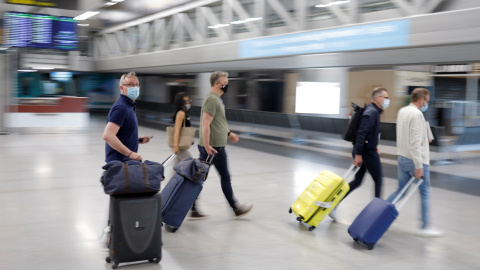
[193,169]
[132,176]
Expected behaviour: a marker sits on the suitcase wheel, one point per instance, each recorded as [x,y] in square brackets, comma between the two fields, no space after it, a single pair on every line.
[155,260]
[108,260]
[355,239]
[115,264]
[370,246]
[290,210]
[311,228]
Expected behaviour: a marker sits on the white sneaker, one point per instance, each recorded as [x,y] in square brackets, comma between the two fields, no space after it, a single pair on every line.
[429,232]
[333,214]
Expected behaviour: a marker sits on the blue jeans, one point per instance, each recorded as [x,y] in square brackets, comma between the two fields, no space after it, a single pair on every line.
[221,164]
[406,169]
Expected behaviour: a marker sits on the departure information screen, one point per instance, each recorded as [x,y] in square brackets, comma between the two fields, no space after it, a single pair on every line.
[65,34]
[39,31]
[42,31]
[17,29]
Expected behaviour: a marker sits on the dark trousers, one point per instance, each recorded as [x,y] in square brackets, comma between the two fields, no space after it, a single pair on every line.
[220,162]
[371,163]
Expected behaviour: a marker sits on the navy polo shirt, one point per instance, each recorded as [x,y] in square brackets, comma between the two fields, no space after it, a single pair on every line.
[123,114]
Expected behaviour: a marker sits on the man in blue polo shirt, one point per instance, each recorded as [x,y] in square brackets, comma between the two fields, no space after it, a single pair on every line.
[121,132]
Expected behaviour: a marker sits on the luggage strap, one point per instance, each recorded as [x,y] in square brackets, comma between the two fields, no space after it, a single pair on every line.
[145,175]
[323,204]
[127,180]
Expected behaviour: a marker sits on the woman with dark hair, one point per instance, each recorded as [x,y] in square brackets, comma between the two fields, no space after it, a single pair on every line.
[182,104]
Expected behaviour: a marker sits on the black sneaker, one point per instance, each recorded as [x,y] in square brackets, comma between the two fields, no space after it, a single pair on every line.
[243,209]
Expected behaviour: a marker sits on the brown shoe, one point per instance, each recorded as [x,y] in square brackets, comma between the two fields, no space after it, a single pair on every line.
[197,215]
[243,209]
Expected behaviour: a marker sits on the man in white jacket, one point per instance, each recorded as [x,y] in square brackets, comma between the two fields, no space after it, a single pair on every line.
[414,154]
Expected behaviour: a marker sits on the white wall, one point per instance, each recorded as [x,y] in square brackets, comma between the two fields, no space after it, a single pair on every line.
[4,90]
[203,88]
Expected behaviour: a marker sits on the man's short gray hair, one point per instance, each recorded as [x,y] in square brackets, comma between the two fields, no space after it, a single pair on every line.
[127,75]
[216,76]
[377,91]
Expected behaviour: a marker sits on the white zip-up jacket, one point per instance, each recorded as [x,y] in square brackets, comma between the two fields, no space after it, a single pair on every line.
[412,139]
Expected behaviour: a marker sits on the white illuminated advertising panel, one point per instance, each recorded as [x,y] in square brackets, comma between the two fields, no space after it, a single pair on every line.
[318,98]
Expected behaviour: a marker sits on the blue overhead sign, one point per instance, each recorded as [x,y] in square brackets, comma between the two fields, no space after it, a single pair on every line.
[371,36]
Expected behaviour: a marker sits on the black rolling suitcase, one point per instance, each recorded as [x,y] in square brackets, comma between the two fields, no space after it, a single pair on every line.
[135,228]
[135,222]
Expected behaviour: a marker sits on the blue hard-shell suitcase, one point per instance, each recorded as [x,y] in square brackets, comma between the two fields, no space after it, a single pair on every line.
[372,222]
[178,197]
[377,216]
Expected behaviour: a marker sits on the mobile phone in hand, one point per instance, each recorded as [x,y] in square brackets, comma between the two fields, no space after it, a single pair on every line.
[141,139]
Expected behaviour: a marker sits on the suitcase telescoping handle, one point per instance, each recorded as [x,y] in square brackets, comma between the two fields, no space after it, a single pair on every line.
[209,159]
[169,159]
[410,193]
[351,172]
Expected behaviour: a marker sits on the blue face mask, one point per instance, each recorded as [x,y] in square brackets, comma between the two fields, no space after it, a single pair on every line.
[424,108]
[133,92]
[386,103]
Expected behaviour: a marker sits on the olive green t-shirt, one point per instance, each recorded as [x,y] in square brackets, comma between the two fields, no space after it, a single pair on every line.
[218,128]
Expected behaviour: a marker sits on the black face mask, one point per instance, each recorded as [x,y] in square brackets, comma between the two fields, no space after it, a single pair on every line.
[225,88]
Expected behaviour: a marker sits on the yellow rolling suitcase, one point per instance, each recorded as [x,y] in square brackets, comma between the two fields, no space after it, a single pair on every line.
[321,196]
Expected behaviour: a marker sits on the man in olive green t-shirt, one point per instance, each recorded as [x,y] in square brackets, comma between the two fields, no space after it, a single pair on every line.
[213,139]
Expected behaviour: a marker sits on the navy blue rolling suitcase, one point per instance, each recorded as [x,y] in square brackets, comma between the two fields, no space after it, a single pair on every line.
[377,216]
[181,191]
[177,198]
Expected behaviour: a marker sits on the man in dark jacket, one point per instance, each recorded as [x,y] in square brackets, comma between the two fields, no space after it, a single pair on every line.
[365,152]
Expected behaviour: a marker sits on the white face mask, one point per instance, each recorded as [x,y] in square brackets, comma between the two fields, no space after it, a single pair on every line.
[187,106]
[386,103]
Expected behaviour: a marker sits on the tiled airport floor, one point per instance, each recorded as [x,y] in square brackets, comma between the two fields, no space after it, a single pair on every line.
[53,210]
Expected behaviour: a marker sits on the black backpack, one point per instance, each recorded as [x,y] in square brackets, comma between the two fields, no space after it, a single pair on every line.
[350,133]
